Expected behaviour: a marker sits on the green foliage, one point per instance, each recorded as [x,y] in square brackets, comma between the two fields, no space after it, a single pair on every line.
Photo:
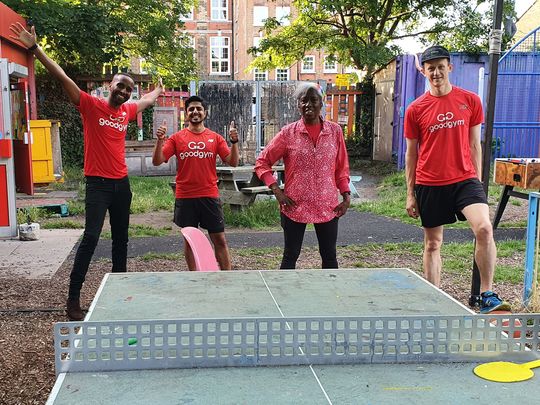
[472,35]
[83,35]
[361,33]
[360,144]
[28,215]
[262,214]
[54,104]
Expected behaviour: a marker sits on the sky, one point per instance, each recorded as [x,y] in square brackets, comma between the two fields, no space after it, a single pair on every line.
[410,45]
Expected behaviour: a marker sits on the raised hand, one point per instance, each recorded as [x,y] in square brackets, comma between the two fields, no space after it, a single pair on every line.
[161,132]
[160,85]
[25,37]
[233,133]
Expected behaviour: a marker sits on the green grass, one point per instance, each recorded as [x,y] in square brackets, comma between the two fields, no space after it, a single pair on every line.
[261,215]
[162,256]
[31,214]
[393,197]
[141,231]
[457,257]
[151,194]
[63,224]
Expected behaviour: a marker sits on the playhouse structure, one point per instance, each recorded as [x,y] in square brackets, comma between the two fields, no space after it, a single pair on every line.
[17,108]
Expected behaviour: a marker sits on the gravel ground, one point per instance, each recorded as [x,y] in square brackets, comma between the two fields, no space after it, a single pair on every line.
[30,308]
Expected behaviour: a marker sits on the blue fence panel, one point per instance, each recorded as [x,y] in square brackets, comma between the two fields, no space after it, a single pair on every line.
[410,84]
[516,130]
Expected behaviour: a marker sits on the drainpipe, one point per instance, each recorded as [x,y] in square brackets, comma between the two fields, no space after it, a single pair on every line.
[233,52]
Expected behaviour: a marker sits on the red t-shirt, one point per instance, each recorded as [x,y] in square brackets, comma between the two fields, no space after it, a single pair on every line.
[196,154]
[314,131]
[105,136]
[441,125]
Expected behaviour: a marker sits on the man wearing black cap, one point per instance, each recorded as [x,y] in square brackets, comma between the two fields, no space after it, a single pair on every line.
[443,169]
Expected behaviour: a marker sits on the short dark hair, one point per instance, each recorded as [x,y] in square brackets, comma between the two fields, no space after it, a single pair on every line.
[124,74]
[192,99]
[434,52]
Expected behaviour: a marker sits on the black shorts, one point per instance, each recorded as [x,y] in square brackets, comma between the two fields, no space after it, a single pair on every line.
[205,212]
[440,205]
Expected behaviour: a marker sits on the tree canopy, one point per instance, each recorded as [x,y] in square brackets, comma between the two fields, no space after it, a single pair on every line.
[362,33]
[83,35]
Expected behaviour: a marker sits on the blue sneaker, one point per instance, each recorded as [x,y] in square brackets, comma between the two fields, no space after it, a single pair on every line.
[491,302]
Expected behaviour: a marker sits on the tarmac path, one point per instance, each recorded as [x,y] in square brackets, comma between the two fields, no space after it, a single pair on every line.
[354,228]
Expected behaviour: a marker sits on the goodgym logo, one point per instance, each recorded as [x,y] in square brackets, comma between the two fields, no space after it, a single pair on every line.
[446,120]
[114,122]
[197,150]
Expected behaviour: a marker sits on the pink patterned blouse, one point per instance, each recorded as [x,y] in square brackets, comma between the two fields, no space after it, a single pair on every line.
[313,172]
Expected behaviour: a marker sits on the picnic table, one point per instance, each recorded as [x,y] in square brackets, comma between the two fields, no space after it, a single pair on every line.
[239,186]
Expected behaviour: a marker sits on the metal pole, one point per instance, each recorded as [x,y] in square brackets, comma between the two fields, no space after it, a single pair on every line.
[494,54]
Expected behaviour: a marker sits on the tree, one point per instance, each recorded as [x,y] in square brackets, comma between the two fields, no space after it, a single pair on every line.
[83,35]
[362,33]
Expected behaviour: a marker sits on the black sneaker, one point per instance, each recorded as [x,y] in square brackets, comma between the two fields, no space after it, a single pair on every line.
[491,302]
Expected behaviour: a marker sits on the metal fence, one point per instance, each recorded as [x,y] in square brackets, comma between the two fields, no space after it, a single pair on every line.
[516,130]
[259,108]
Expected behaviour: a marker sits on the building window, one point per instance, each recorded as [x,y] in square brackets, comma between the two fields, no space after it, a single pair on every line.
[219,55]
[308,64]
[188,16]
[260,75]
[220,12]
[282,75]
[330,65]
[260,13]
[283,15]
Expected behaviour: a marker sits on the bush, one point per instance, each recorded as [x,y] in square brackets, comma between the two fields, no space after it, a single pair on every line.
[53,104]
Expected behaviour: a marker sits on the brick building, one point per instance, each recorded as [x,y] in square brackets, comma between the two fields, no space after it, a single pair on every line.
[223,31]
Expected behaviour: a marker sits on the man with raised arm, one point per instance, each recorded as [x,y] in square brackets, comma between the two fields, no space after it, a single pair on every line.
[105,123]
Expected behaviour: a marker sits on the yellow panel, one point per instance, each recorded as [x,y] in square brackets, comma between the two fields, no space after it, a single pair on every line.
[42,158]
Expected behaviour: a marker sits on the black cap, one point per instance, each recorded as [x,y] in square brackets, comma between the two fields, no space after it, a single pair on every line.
[434,52]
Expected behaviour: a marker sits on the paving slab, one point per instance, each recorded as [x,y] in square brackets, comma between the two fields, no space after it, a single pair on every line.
[40,258]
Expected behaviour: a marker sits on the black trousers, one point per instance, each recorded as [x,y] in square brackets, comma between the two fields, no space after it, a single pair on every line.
[102,195]
[294,236]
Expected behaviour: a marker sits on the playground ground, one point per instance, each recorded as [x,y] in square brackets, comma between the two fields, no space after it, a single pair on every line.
[30,307]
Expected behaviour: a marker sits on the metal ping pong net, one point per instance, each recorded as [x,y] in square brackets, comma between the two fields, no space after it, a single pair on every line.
[265,341]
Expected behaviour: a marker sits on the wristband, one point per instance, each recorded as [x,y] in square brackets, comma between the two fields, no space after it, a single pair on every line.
[33,47]
[233,142]
[346,193]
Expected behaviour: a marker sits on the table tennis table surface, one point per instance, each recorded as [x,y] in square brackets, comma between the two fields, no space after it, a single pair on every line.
[354,292]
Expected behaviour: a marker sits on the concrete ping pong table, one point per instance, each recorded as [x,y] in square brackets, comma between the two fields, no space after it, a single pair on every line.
[308,294]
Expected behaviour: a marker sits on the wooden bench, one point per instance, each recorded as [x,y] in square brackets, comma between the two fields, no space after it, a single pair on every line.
[258,190]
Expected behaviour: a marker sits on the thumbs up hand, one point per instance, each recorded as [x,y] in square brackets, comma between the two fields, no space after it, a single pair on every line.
[161,132]
[233,133]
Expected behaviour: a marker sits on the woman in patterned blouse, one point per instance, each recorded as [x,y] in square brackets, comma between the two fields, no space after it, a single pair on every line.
[316,167]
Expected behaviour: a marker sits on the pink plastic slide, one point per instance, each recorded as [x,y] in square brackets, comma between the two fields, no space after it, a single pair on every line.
[205,260]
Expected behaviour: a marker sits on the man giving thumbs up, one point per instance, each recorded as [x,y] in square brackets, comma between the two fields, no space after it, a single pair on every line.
[197,197]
